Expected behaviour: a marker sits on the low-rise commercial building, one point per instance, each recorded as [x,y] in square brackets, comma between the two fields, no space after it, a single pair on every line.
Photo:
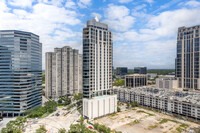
[166,83]
[180,103]
[99,106]
[135,80]
[152,75]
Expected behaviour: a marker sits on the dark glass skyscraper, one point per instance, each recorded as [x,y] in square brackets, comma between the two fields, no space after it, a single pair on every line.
[121,70]
[140,70]
[187,59]
[20,71]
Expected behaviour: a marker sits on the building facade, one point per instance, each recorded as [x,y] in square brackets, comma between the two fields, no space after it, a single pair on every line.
[121,70]
[180,103]
[97,64]
[136,80]
[187,59]
[63,72]
[140,70]
[20,72]
[166,83]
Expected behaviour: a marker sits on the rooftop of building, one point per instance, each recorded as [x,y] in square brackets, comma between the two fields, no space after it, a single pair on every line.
[174,95]
[136,74]
[18,31]
[96,23]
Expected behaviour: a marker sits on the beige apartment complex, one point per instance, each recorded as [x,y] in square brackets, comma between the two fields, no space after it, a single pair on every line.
[63,72]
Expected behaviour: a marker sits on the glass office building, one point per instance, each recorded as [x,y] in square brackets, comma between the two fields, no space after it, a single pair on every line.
[121,70]
[140,70]
[187,59]
[20,72]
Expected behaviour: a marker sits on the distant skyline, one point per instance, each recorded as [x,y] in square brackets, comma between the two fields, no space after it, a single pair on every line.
[144,31]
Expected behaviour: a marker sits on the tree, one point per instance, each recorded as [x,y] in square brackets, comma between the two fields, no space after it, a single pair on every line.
[43,78]
[134,104]
[119,82]
[118,109]
[15,126]
[80,128]
[78,96]
[42,129]
[128,105]
[62,130]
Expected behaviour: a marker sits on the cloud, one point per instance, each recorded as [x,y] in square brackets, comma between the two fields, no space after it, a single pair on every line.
[3,6]
[52,2]
[21,3]
[118,17]
[49,21]
[94,14]
[155,44]
[84,3]
[150,1]
[193,3]
[125,1]
[167,5]
[70,4]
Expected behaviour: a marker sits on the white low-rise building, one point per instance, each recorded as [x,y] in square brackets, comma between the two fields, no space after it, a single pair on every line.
[166,83]
[99,106]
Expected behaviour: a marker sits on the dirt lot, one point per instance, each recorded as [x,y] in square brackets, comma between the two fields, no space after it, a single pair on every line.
[140,120]
[52,122]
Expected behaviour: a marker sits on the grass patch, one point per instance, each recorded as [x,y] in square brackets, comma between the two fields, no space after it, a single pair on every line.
[153,126]
[134,109]
[184,125]
[113,114]
[134,122]
[61,106]
[164,120]
[141,111]
[181,127]
[45,115]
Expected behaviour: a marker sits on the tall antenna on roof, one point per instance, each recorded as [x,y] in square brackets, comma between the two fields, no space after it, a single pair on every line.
[96,19]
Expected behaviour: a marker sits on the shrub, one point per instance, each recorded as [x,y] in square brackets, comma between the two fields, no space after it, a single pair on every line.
[42,129]
[118,109]
[62,130]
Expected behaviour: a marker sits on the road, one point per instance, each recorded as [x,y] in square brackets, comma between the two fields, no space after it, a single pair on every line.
[5,121]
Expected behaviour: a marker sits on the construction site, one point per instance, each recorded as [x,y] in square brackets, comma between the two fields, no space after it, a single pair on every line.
[140,120]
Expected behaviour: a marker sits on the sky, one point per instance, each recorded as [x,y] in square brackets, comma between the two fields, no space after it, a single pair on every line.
[144,31]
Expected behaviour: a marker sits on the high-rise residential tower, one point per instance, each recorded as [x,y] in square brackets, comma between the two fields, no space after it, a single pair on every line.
[20,71]
[63,72]
[97,70]
[187,59]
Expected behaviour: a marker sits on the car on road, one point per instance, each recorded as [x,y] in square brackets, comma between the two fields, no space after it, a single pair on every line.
[57,114]
[90,127]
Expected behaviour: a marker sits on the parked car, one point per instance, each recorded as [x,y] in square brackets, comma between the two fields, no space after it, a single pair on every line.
[57,114]
[90,127]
